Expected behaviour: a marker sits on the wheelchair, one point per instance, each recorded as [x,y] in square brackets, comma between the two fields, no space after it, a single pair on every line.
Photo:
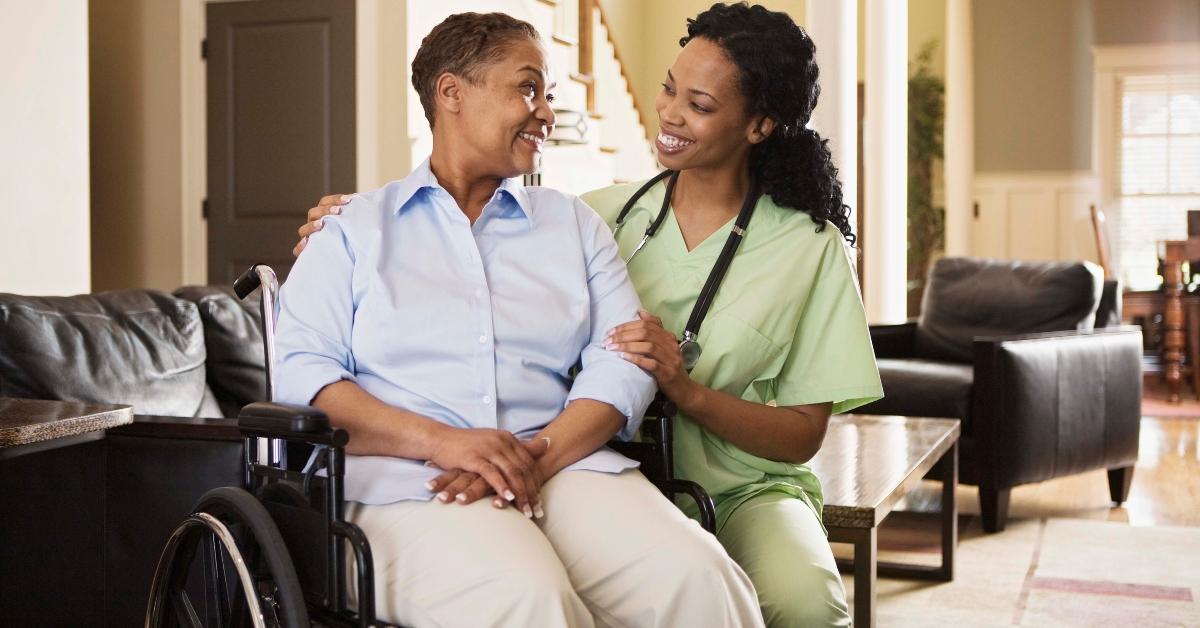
[273,552]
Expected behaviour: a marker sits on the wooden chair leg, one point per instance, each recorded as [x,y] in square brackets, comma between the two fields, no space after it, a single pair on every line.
[1119,481]
[993,504]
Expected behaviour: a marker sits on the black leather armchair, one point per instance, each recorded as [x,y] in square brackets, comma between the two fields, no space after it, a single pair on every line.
[1031,358]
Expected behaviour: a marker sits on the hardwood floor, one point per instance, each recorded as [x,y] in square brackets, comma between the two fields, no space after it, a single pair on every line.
[1166,485]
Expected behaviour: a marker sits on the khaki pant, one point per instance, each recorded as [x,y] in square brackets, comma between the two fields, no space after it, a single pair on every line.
[611,551]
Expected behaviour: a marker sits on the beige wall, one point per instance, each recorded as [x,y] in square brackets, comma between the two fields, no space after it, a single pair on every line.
[1146,21]
[137,143]
[1033,85]
[382,84]
[1033,69]
[927,21]
[44,136]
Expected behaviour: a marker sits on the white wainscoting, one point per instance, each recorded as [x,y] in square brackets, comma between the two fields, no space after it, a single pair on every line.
[1035,216]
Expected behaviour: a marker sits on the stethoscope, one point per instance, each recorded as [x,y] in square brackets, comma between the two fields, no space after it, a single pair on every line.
[689,346]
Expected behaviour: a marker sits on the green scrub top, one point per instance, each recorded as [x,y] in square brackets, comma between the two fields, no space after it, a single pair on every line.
[787,327]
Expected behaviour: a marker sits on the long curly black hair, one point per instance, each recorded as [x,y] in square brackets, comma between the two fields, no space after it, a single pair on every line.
[777,65]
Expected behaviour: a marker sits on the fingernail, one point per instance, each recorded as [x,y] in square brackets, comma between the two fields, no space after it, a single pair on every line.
[624,355]
[528,512]
[336,209]
[608,344]
[547,439]
[509,495]
[429,485]
[318,223]
[345,198]
[538,512]
[497,503]
[461,498]
[443,497]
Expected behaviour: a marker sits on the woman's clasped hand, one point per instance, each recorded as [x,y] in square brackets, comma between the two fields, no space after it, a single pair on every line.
[479,462]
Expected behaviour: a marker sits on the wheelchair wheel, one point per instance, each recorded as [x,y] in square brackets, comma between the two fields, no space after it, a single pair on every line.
[245,575]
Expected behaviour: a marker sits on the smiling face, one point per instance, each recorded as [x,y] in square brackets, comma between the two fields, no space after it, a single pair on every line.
[703,122]
[505,114]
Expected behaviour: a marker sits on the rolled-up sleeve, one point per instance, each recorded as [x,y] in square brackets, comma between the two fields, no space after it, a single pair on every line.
[605,376]
[316,314]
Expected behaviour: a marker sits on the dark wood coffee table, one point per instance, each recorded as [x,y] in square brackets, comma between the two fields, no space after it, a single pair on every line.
[866,465]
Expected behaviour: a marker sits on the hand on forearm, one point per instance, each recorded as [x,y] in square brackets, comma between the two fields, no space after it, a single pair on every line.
[786,434]
[582,428]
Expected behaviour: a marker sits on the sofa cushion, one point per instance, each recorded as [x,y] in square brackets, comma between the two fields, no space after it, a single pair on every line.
[968,297]
[924,388]
[136,347]
[234,340]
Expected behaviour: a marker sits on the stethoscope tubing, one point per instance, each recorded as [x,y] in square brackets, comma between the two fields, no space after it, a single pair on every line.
[689,346]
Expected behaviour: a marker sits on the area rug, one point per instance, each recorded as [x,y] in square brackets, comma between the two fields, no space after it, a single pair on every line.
[1046,572]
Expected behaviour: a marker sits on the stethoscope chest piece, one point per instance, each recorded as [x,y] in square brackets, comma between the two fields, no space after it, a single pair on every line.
[689,350]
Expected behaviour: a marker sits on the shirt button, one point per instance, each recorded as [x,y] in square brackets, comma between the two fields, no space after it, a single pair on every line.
[483,340]
[487,399]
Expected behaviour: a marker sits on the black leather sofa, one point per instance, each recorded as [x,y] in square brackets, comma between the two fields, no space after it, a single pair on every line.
[82,526]
[1031,358]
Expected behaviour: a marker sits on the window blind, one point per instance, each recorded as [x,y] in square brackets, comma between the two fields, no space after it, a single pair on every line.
[1159,167]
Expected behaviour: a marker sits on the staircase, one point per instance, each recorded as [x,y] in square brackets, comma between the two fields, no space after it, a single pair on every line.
[614,148]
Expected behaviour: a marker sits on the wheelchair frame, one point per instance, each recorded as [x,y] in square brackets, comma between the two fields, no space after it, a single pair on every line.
[267,428]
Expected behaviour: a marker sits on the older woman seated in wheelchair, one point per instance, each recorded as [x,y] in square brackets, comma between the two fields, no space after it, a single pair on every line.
[437,323]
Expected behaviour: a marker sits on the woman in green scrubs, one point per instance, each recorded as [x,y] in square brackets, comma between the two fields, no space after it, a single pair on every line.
[785,342]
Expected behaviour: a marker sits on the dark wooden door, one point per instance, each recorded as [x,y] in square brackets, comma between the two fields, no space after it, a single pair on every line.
[280,124]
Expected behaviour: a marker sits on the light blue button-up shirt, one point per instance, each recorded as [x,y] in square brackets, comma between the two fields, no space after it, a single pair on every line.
[470,325]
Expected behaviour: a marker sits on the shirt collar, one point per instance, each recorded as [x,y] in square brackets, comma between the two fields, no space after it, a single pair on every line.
[422,178]
[517,192]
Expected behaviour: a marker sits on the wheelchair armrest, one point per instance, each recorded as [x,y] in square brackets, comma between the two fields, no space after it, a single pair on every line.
[290,422]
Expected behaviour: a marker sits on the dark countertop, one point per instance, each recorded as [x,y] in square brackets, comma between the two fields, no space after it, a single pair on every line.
[26,421]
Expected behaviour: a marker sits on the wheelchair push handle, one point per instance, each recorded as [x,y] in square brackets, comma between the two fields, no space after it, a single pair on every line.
[248,281]
[255,276]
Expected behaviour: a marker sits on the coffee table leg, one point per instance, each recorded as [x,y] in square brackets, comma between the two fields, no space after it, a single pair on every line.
[865,541]
[949,511]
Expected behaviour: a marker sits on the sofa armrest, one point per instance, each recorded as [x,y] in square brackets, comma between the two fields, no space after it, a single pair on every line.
[1056,403]
[180,428]
[894,341]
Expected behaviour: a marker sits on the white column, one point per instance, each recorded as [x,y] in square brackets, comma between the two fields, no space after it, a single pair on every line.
[960,128]
[833,26]
[885,161]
